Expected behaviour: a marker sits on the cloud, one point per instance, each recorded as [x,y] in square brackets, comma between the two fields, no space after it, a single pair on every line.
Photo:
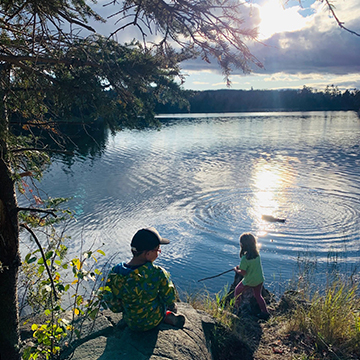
[319,48]
[310,51]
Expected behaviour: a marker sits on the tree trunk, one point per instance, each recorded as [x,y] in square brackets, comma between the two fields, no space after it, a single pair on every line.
[9,264]
[9,248]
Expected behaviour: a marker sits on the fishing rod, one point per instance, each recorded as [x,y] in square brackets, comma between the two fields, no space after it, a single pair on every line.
[211,277]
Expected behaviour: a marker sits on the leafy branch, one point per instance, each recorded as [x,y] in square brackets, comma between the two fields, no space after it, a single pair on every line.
[48,211]
[44,259]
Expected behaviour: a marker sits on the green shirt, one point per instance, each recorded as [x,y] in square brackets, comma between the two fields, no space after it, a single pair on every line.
[142,295]
[254,272]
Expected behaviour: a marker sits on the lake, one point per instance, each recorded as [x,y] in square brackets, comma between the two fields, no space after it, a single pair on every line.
[204,179]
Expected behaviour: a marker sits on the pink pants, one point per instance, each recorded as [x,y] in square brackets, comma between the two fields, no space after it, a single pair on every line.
[240,288]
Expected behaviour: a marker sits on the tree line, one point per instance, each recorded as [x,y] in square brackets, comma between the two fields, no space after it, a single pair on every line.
[305,99]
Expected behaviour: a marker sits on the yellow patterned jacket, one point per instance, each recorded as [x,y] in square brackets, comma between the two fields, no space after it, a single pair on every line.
[141,294]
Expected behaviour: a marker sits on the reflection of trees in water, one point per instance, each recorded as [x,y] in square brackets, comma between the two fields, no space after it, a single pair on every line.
[85,139]
[70,139]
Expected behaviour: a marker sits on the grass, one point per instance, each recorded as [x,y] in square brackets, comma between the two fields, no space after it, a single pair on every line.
[316,325]
[332,320]
[218,308]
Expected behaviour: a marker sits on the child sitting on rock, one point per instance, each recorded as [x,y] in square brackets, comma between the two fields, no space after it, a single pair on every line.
[251,269]
[142,291]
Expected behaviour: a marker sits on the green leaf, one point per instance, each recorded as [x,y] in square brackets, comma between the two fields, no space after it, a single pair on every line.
[93,313]
[33,259]
[27,353]
[79,300]
[101,252]
[49,254]
[59,330]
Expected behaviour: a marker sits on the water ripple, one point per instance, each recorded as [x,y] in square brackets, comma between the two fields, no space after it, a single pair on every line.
[203,181]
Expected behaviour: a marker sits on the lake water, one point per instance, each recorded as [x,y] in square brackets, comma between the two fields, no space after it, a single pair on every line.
[204,179]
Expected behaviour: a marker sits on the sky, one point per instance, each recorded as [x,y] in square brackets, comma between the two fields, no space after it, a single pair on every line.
[299,44]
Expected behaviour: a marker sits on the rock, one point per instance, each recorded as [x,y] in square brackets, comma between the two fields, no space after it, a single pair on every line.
[248,303]
[291,300]
[271,218]
[111,339]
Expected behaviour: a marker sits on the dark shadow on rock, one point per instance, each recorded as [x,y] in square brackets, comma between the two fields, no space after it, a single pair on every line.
[130,345]
[114,340]
[225,345]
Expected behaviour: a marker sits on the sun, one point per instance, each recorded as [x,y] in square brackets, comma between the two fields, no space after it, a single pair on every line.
[277,19]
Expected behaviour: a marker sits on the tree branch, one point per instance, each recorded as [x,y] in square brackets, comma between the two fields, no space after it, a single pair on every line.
[42,150]
[43,257]
[74,21]
[49,211]
[44,60]
[340,23]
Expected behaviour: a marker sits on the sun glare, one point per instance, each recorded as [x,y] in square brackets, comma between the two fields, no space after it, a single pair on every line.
[271,181]
[276,19]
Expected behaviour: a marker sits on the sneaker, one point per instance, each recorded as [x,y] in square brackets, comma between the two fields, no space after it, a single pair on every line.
[175,320]
[263,315]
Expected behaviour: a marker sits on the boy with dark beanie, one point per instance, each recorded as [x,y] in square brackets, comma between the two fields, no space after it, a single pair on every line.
[142,291]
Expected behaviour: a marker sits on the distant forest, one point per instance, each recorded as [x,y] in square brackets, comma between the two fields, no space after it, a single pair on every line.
[305,99]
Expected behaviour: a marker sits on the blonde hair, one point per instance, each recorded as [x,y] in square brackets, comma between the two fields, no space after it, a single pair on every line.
[248,246]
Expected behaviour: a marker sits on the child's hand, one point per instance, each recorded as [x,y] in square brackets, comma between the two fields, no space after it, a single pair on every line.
[239,271]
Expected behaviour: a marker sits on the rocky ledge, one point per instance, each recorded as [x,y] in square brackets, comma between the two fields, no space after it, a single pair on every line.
[111,339]
[202,338]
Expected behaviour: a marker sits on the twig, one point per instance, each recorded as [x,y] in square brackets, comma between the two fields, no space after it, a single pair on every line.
[42,150]
[340,23]
[49,211]
[43,257]
[211,277]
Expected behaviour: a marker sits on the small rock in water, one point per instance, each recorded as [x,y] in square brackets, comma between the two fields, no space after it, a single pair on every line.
[271,218]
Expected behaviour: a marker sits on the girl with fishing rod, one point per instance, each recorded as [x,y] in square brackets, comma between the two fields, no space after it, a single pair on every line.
[251,269]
